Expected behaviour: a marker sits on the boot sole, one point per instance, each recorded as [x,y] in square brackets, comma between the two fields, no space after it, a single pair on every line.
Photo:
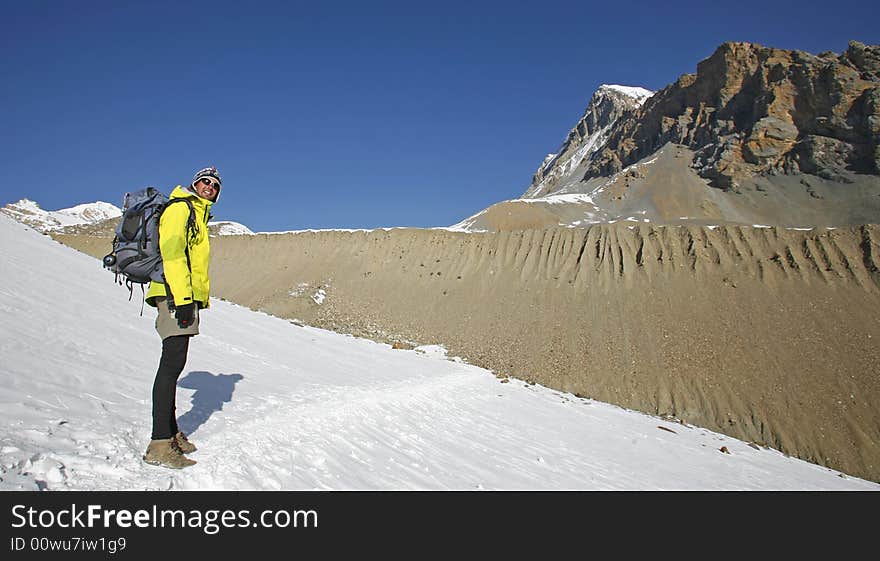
[160,464]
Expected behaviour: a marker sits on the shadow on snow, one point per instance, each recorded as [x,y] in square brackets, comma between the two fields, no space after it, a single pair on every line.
[212,391]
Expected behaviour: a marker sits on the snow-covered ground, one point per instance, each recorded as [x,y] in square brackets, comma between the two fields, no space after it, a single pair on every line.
[273,405]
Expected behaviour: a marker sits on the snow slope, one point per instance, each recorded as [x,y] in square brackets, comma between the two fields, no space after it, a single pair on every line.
[273,405]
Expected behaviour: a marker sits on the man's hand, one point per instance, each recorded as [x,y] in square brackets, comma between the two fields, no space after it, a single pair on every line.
[184,315]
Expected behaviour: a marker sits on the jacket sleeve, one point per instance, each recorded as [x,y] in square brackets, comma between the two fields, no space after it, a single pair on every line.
[172,245]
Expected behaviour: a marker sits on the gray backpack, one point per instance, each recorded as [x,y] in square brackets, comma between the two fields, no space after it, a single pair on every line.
[135,255]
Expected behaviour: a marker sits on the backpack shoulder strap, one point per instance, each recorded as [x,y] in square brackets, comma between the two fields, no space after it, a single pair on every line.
[181,200]
[191,221]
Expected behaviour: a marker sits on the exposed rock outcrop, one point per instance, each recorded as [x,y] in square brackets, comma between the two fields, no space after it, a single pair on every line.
[756,136]
[751,111]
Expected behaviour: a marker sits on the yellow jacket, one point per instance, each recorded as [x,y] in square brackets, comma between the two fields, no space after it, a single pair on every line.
[187,278]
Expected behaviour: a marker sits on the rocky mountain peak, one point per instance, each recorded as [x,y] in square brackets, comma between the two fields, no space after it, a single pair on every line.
[751,110]
[864,58]
[608,104]
[756,136]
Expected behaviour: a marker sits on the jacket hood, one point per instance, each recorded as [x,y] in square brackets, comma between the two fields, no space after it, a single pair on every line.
[181,192]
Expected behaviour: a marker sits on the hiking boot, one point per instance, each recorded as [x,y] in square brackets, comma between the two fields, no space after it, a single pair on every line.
[183,444]
[166,454]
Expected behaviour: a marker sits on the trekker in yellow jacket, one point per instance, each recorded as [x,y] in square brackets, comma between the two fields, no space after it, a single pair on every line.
[186,252]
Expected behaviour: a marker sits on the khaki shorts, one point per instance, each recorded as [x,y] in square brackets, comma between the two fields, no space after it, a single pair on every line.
[166,323]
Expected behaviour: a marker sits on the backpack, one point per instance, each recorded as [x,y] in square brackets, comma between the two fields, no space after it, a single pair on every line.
[135,255]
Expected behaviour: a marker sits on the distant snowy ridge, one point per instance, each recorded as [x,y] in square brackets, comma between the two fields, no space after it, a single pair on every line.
[229,228]
[29,212]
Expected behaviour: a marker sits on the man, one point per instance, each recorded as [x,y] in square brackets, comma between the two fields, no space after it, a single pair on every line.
[183,243]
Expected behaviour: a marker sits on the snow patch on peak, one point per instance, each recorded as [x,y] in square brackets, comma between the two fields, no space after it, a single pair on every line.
[635,92]
[96,207]
[229,228]
[89,213]
[547,161]
[25,204]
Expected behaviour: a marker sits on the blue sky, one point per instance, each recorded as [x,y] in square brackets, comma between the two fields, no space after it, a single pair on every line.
[343,114]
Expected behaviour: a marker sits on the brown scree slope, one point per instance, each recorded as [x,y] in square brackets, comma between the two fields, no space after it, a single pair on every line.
[765,334]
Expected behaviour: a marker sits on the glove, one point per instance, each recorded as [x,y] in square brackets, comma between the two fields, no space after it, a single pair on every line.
[184,315]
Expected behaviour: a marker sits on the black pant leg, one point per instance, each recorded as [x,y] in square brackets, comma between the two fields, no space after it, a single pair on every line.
[174,350]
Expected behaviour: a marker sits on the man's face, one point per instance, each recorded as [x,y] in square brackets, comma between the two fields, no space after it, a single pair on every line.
[207,188]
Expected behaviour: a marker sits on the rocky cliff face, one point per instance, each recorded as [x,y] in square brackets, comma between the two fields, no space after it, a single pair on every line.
[756,111]
[608,105]
[756,136]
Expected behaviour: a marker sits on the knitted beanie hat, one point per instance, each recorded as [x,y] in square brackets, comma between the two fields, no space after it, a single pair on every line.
[207,172]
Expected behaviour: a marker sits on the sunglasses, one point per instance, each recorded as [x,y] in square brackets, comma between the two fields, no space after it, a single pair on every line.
[214,184]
